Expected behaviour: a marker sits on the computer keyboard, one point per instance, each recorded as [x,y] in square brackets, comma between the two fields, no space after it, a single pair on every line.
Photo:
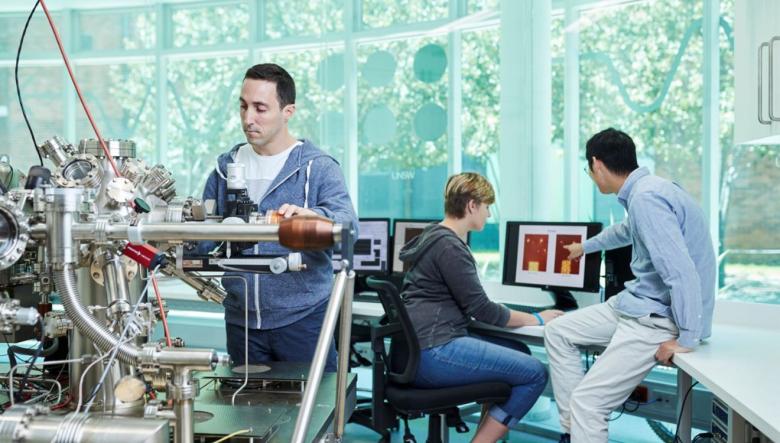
[529,309]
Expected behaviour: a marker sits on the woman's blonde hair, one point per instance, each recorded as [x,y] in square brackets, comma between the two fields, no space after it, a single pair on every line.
[463,187]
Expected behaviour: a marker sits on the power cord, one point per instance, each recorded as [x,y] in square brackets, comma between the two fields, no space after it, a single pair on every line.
[35,357]
[16,79]
[677,438]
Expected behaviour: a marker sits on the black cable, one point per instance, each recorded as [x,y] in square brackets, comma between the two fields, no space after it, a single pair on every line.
[636,408]
[13,350]
[16,78]
[37,354]
[682,408]
[622,410]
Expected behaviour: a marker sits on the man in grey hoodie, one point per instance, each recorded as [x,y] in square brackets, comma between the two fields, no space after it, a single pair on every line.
[293,177]
[442,292]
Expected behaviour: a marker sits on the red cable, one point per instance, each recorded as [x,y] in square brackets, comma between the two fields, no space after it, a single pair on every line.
[78,90]
[63,404]
[162,311]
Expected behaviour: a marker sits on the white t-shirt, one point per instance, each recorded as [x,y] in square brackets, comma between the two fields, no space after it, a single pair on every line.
[261,170]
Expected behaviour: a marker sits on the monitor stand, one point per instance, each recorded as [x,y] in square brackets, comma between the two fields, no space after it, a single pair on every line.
[564,300]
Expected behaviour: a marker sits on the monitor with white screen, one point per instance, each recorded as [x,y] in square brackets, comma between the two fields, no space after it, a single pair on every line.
[371,251]
[534,255]
[404,230]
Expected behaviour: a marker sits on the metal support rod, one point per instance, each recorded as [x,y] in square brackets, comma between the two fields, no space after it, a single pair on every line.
[202,231]
[179,231]
[320,355]
[184,431]
[345,335]
[684,408]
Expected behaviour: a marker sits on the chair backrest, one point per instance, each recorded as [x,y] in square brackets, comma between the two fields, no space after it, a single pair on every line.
[404,356]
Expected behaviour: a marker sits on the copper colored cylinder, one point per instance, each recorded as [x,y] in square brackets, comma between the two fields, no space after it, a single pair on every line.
[309,233]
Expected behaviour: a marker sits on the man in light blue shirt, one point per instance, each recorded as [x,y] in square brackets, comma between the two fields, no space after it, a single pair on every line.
[667,309]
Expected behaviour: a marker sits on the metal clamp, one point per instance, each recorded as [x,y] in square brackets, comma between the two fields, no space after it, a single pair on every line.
[16,233]
[57,324]
[148,359]
[80,170]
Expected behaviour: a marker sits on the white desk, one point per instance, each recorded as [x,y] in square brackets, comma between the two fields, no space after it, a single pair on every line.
[738,364]
[513,295]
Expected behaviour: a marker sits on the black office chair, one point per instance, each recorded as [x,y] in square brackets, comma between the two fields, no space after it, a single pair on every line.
[394,373]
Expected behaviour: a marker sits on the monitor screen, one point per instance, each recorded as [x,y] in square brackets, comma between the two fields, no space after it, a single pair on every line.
[534,255]
[617,270]
[371,251]
[404,230]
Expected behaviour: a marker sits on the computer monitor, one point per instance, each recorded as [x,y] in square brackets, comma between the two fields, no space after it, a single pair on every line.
[404,230]
[534,255]
[371,251]
[617,270]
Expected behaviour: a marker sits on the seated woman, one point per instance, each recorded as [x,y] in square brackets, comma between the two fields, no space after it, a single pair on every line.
[442,292]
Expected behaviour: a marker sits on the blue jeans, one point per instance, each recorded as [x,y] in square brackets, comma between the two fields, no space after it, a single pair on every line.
[467,360]
[295,342]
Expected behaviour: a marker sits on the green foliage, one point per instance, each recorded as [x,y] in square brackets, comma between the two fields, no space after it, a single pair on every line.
[382,13]
[203,118]
[641,41]
[311,18]
[404,96]
[209,25]
[481,92]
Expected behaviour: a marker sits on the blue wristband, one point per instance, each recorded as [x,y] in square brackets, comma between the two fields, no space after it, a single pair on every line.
[538,317]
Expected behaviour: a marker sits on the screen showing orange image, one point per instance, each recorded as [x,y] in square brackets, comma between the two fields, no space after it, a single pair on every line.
[535,253]
[535,256]
[562,263]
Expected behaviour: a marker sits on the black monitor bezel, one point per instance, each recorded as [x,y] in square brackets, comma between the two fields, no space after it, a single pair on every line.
[592,260]
[392,239]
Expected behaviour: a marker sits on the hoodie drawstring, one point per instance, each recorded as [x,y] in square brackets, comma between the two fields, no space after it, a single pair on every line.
[306,185]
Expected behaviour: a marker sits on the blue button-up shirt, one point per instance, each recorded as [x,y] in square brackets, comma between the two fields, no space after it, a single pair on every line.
[673,255]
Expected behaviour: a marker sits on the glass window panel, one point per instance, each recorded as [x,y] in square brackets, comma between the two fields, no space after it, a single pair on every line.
[751,266]
[640,71]
[211,25]
[482,5]
[319,101]
[750,245]
[382,13]
[401,174]
[203,117]
[41,89]
[122,99]
[298,18]
[116,30]
[558,54]
[481,91]
[39,37]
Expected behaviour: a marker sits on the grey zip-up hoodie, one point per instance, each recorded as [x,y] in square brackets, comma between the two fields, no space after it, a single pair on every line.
[312,179]
[442,290]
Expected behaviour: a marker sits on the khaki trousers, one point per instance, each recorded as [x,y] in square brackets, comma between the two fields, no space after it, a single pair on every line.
[586,400]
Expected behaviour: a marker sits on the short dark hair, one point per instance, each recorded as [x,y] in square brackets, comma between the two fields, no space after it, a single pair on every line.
[285,85]
[615,149]
[463,187]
